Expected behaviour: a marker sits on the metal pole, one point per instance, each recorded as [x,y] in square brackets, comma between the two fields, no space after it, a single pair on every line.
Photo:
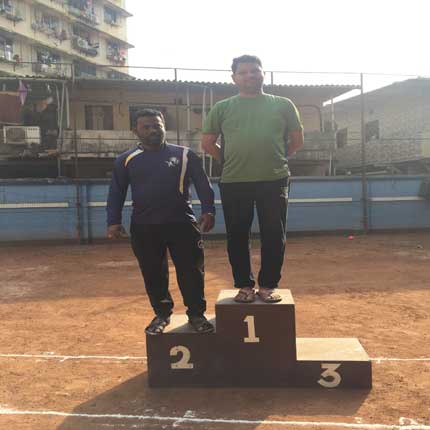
[188,111]
[178,136]
[78,188]
[271,78]
[204,106]
[363,161]
[203,121]
[67,108]
[211,101]
[60,132]
[334,147]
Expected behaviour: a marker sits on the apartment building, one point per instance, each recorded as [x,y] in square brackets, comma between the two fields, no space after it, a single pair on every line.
[64,38]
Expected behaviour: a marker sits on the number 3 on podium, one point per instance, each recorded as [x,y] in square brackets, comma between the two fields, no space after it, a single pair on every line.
[330,378]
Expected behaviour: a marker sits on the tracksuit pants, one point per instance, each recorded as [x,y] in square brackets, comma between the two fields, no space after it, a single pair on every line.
[150,243]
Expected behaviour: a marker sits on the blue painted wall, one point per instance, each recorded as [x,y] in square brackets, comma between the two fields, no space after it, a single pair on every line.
[48,209]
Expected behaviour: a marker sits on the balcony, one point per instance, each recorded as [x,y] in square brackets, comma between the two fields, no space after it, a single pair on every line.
[116,58]
[10,12]
[55,33]
[84,46]
[51,69]
[86,15]
[11,59]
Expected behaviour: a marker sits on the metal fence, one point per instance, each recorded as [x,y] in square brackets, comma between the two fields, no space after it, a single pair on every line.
[380,126]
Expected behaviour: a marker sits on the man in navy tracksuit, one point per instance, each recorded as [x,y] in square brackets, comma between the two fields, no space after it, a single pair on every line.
[159,175]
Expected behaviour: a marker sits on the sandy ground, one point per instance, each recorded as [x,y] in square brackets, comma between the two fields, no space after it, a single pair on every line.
[76,301]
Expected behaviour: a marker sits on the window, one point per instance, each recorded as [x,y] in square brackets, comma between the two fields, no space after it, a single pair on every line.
[50,21]
[372,130]
[5,6]
[84,69]
[6,49]
[342,138]
[111,17]
[98,117]
[80,4]
[46,57]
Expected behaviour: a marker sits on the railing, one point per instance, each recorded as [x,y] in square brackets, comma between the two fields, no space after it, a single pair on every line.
[51,69]
[116,58]
[56,33]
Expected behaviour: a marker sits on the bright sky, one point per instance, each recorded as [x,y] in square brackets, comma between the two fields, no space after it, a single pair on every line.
[302,35]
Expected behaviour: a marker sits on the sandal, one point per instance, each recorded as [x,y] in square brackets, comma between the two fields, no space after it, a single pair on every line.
[245,295]
[268,295]
[200,324]
[157,325]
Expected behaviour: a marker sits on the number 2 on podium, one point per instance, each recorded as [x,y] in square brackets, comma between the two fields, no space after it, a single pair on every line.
[251,330]
[184,362]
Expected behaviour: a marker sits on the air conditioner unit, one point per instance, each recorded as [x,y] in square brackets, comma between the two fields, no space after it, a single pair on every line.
[20,135]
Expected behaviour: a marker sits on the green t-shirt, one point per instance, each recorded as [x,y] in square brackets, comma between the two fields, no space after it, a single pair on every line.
[255,133]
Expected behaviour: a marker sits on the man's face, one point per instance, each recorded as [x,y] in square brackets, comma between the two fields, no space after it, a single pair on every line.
[150,130]
[248,77]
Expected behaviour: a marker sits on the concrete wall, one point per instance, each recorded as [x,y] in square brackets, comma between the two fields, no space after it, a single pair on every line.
[41,210]
[403,112]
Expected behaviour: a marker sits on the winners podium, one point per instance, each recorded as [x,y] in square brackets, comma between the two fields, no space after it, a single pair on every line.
[254,345]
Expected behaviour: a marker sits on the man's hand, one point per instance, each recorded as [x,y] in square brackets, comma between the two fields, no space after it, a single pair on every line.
[207,222]
[116,231]
[210,146]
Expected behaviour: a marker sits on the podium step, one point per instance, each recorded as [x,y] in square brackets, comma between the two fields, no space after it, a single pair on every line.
[256,338]
[332,363]
[180,357]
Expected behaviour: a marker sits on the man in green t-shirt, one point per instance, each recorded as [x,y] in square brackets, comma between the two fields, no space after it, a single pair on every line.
[259,131]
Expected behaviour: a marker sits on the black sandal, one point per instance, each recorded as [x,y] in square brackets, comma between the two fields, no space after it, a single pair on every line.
[201,324]
[157,325]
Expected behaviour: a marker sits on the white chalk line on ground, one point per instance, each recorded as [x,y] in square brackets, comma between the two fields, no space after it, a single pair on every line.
[74,357]
[51,356]
[192,419]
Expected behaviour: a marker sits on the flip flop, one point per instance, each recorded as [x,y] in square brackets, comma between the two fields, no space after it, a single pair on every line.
[268,295]
[245,295]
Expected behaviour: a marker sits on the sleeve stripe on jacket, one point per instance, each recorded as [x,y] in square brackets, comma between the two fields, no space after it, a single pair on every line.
[132,155]
[184,169]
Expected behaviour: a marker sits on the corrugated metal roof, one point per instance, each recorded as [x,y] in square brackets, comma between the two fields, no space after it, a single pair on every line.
[226,84]
[172,82]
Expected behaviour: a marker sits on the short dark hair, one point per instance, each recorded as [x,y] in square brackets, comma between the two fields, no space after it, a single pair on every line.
[245,59]
[146,112]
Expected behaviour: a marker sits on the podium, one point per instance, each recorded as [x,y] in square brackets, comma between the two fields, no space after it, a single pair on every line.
[254,345]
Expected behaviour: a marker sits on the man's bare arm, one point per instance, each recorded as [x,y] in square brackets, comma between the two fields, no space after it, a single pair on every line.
[295,141]
[210,146]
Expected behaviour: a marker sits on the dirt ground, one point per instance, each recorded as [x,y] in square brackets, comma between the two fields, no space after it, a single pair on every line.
[72,352]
